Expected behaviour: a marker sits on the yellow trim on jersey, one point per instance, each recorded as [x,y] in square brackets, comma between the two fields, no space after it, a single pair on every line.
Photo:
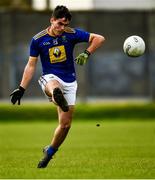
[40,34]
[69,30]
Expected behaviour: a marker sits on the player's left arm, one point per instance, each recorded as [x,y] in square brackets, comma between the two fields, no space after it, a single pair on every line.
[95,41]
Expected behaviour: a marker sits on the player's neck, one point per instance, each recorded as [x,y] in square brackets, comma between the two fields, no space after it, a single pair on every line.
[53,32]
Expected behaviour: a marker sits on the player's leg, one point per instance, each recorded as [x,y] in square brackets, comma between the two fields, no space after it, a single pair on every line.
[53,89]
[65,119]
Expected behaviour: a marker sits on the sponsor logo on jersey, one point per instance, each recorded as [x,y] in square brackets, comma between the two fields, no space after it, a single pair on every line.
[57,54]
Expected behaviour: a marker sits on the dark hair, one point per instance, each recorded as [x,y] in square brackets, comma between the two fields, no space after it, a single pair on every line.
[62,12]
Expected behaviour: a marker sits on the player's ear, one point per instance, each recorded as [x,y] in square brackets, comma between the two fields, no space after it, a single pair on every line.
[51,20]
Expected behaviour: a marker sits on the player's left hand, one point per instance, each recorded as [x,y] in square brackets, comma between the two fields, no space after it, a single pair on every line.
[82,58]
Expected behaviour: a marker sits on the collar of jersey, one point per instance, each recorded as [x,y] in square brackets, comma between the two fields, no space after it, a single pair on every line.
[47,30]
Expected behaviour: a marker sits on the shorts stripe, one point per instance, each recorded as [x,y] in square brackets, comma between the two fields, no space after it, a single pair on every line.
[42,81]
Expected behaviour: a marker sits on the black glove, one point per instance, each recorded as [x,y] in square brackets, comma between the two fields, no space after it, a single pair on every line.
[17,94]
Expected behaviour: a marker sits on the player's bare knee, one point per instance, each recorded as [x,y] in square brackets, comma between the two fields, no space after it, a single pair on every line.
[65,126]
[65,117]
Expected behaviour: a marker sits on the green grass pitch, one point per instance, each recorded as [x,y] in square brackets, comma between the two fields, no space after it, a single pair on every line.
[115,149]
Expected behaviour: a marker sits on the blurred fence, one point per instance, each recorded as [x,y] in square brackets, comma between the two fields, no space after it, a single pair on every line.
[109,73]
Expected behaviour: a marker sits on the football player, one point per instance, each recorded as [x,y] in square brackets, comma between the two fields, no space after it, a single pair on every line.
[55,46]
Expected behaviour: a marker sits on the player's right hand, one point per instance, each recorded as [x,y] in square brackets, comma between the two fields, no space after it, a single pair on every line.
[17,94]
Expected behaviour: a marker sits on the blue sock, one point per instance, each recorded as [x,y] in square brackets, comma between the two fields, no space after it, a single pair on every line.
[51,151]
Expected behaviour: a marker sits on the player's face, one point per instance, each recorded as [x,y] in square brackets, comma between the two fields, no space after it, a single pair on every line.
[59,25]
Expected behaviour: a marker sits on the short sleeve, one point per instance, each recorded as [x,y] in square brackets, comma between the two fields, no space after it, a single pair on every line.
[34,50]
[81,36]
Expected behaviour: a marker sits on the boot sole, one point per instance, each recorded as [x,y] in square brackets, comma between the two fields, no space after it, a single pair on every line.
[60,100]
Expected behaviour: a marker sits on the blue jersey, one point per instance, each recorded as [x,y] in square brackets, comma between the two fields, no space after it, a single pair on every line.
[56,52]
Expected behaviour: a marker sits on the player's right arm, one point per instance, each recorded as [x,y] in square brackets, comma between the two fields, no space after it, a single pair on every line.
[29,70]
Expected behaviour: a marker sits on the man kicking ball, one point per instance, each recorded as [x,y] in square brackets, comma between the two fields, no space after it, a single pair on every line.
[55,46]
